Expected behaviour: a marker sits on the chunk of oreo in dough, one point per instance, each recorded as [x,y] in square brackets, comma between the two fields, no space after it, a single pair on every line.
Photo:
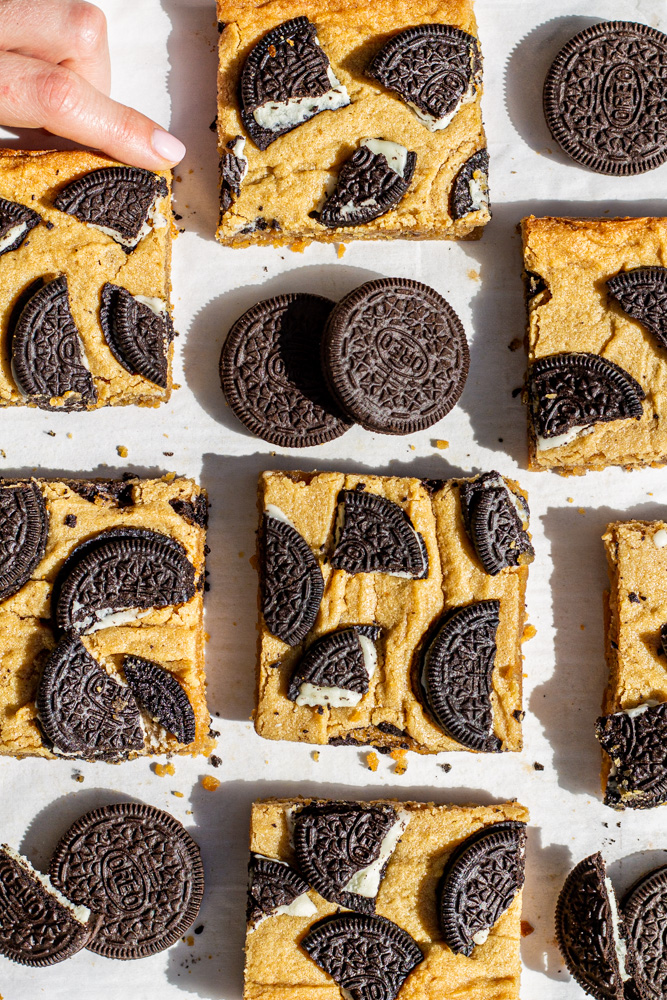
[370,184]
[138,330]
[375,535]
[16,221]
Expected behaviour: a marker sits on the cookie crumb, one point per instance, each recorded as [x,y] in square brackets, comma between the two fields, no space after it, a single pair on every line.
[340,250]
[473,275]
[122,450]
[401,764]
[190,940]
[77,776]
[445,767]
[526,928]
[529,632]
[179,795]
[372,761]
[51,434]
[210,783]
[440,444]
[582,510]
[214,760]
[515,344]
[163,769]
[315,755]
[537,766]
[570,499]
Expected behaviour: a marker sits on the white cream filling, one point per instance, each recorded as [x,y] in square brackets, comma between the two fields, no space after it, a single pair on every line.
[481,936]
[366,882]
[278,115]
[107,617]
[277,514]
[13,234]
[237,150]
[395,154]
[478,186]
[155,220]
[311,695]
[544,444]
[158,306]
[620,946]
[80,913]
[434,124]
[632,713]
[660,538]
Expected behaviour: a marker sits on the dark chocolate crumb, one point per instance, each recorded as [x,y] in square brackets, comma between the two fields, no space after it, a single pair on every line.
[168,453]
[51,434]
[614,645]
[199,929]
[177,217]
[538,767]
[214,760]
[49,225]
[70,520]
[517,391]
[214,125]
[632,597]
[519,715]
[213,733]
[445,767]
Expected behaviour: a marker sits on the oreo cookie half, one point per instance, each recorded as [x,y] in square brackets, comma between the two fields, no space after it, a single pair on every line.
[604,98]
[433,68]
[285,81]
[110,578]
[48,360]
[496,521]
[480,880]
[395,355]
[291,581]
[119,201]
[342,849]
[24,525]
[642,294]
[336,670]
[138,330]
[82,710]
[16,221]
[636,742]
[470,189]
[368,957]
[645,914]
[160,694]
[456,675]
[370,184]
[375,535]
[139,870]
[590,931]
[570,393]
[275,888]
[233,168]
[271,375]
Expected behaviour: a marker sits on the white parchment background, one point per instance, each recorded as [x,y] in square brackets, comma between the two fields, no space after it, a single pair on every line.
[164,63]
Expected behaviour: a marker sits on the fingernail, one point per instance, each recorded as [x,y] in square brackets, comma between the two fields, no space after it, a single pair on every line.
[167,146]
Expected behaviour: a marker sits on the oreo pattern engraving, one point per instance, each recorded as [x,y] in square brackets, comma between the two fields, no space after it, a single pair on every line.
[271,884]
[368,957]
[496,520]
[137,335]
[335,660]
[291,582]
[457,675]
[162,696]
[82,710]
[479,883]
[470,188]
[118,199]
[16,221]
[645,914]
[642,294]
[47,355]
[367,187]
[637,746]
[24,525]
[375,535]
[136,867]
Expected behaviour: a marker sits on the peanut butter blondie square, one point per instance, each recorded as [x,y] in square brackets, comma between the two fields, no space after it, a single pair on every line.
[392,611]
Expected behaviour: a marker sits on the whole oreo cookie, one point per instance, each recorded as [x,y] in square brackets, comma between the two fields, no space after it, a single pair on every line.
[138,330]
[24,525]
[273,888]
[395,355]
[470,188]
[336,669]
[291,580]
[496,521]
[16,221]
[636,742]
[139,870]
[642,294]
[645,914]
[370,184]
[271,375]
[375,535]
[162,696]
[604,98]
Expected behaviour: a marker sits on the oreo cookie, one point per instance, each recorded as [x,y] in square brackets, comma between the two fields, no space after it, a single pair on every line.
[433,68]
[162,696]
[285,81]
[457,673]
[83,712]
[271,376]
[395,355]
[470,187]
[16,221]
[642,294]
[47,356]
[368,957]
[604,98]
[24,526]
[569,393]
[375,535]
[138,330]
[119,201]
[636,742]
[275,888]
[233,168]
[370,184]
[336,669]
[496,521]
[479,883]
[139,870]
[111,577]
[291,580]
[645,915]
[38,926]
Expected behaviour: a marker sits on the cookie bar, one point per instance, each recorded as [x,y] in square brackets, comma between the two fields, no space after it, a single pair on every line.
[101,628]
[415,925]
[392,611]
[350,119]
[85,250]
[633,730]
[597,342]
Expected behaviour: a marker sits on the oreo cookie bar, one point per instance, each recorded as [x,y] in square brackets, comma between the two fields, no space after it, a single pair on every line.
[350,121]
[633,730]
[101,618]
[596,385]
[85,251]
[392,611]
[383,899]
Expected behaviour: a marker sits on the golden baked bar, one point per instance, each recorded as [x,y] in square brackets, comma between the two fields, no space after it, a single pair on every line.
[597,342]
[85,251]
[350,119]
[101,608]
[392,611]
[398,869]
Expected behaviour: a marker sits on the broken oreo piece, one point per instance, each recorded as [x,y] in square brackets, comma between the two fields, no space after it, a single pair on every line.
[48,360]
[113,576]
[370,184]
[275,888]
[456,675]
[636,742]
[285,81]
[336,670]
[161,695]
[433,68]
[271,376]
[24,525]
[233,168]
[291,579]
[644,911]
[479,883]
[496,521]
[368,957]
[642,294]
[16,221]
[138,330]
[84,712]
[395,355]
[375,535]
[470,188]
[139,870]
[119,201]
[569,393]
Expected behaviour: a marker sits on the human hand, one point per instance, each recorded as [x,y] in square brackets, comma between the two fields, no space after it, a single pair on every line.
[55,74]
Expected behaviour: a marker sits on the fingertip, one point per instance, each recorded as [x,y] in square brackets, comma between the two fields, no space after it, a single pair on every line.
[167,146]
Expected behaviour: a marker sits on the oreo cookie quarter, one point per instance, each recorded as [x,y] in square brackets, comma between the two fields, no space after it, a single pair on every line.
[642,294]
[336,670]
[645,914]
[470,188]
[636,742]
[370,184]
[375,535]
[138,330]
[395,355]
[161,695]
[24,525]
[275,888]
[16,221]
